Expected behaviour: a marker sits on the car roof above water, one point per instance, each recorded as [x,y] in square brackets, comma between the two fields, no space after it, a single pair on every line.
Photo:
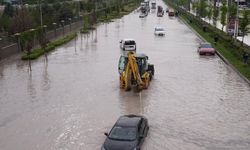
[128,121]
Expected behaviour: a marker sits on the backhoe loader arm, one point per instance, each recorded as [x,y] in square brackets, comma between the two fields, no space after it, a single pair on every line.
[134,68]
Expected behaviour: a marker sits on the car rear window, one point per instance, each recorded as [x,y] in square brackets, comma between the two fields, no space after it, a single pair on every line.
[123,133]
[129,43]
[159,29]
[206,45]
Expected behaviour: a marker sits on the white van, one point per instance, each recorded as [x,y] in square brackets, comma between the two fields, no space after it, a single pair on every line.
[128,45]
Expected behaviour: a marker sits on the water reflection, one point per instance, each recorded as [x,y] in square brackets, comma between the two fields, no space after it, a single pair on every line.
[31,88]
[46,79]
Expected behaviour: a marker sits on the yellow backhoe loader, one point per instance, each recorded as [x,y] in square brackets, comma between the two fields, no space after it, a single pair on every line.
[135,71]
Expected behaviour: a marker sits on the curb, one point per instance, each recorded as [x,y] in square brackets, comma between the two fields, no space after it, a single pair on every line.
[218,53]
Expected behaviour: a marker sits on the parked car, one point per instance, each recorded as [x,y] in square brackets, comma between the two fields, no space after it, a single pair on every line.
[171,12]
[206,48]
[128,45]
[159,31]
[128,133]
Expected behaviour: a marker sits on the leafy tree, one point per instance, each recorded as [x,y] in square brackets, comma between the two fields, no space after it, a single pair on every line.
[244,24]
[201,8]
[223,15]
[195,7]
[215,15]
[210,12]
[232,11]
[8,10]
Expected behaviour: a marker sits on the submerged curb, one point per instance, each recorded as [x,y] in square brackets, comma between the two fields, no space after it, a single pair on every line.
[218,53]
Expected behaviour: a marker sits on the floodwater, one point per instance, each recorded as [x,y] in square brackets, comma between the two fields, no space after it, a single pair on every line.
[69,100]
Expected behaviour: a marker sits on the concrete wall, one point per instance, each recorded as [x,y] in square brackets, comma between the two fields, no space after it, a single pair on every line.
[12,48]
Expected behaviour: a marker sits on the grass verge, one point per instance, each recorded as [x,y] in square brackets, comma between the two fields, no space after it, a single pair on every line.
[51,46]
[230,49]
[223,47]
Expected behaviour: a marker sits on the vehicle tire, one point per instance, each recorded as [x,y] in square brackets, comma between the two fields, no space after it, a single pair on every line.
[151,69]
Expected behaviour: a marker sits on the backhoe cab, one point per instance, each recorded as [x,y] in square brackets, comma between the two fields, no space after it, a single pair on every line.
[135,71]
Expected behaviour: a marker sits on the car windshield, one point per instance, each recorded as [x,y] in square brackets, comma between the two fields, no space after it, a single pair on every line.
[123,133]
[129,43]
[206,45]
[159,29]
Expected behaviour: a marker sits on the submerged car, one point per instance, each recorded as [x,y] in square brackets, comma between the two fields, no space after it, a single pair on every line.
[206,49]
[142,15]
[128,133]
[128,45]
[159,31]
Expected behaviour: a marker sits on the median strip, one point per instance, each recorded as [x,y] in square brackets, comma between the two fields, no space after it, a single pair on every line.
[51,46]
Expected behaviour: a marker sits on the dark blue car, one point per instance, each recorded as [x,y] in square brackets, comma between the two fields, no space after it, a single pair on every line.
[128,133]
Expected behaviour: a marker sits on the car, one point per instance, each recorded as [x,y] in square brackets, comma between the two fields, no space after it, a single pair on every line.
[142,15]
[128,133]
[206,48]
[171,12]
[160,11]
[159,31]
[128,45]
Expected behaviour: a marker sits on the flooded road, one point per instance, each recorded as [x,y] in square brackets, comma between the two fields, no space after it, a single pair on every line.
[70,100]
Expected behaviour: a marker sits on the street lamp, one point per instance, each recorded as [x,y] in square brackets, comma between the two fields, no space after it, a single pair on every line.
[17,35]
[62,21]
[32,30]
[41,13]
[54,24]
[70,23]
[81,18]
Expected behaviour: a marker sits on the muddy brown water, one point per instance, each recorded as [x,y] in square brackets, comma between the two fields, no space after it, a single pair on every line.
[194,102]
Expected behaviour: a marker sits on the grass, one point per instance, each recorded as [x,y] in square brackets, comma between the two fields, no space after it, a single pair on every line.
[51,46]
[225,48]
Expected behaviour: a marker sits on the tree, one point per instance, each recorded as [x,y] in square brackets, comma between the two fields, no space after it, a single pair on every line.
[195,7]
[232,11]
[210,12]
[202,8]
[244,22]
[223,15]
[215,15]
[8,10]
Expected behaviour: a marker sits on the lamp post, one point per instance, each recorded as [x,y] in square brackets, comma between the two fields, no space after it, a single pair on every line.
[62,21]
[45,31]
[41,13]
[70,23]
[33,42]
[54,24]
[81,18]
[17,35]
